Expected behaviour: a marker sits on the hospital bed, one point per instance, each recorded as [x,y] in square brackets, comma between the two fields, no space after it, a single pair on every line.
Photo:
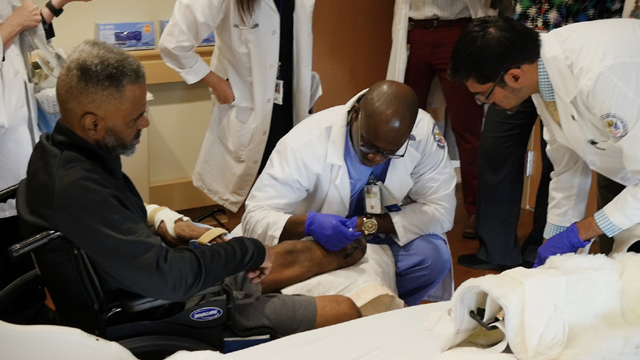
[574,307]
[397,334]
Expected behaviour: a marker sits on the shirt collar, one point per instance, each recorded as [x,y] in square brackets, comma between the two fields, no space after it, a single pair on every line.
[544,83]
[354,165]
[63,138]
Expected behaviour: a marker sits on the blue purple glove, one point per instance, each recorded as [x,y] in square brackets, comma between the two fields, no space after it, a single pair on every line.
[563,242]
[332,232]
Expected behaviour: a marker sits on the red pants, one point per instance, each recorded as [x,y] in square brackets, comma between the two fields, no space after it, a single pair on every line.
[430,56]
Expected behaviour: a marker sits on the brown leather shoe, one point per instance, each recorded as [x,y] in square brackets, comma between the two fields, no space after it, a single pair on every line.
[469,228]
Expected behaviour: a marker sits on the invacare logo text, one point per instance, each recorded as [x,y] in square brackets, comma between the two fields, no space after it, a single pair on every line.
[206,314]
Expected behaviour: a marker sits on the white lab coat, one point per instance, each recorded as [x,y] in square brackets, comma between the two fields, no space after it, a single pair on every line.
[399,54]
[234,143]
[17,133]
[307,172]
[595,71]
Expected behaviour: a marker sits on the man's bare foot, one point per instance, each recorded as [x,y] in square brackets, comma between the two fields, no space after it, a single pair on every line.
[352,253]
[296,261]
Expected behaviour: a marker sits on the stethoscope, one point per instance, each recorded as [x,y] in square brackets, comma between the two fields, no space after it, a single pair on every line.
[251,25]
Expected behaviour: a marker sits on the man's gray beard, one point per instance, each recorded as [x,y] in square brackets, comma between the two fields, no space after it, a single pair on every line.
[115,146]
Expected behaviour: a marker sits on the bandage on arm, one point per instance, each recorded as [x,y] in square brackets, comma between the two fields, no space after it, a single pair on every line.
[158,214]
[207,237]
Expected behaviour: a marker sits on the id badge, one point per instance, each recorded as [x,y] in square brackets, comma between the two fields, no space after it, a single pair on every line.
[372,199]
[388,200]
[279,94]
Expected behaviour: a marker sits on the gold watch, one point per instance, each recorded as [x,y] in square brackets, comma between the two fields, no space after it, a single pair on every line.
[369,225]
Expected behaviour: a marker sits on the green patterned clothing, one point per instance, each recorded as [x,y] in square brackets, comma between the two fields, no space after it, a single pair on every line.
[552,14]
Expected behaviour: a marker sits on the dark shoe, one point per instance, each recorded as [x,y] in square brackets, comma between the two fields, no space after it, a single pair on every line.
[469,228]
[472,261]
[527,264]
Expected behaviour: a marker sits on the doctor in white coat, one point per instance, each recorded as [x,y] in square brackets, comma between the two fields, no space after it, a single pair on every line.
[313,186]
[585,82]
[244,69]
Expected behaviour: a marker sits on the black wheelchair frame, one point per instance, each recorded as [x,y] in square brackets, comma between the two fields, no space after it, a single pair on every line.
[149,328]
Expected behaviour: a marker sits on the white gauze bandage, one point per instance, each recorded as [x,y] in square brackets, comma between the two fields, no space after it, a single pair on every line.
[157,214]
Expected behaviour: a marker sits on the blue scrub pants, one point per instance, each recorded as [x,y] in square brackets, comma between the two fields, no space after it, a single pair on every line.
[420,265]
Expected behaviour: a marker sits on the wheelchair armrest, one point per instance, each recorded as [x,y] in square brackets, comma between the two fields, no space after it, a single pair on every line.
[8,193]
[136,304]
[141,304]
[211,290]
[31,243]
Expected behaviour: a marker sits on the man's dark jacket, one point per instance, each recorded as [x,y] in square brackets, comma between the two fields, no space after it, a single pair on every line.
[80,190]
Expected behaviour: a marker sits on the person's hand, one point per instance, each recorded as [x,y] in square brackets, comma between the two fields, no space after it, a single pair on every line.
[185,231]
[223,92]
[332,232]
[257,275]
[220,88]
[564,242]
[167,238]
[25,17]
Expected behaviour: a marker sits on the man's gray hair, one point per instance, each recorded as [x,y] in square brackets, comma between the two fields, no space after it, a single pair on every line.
[96,70]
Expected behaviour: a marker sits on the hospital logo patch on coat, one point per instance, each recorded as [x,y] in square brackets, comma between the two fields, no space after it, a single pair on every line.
[437,137]
[616,125]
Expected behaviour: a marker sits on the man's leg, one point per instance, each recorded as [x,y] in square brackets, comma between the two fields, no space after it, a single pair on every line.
[286,314]
[607,190]
[334,309]
[536,236]
[502,156]
[465,115]
[419,74]
[295,261]
[420,265]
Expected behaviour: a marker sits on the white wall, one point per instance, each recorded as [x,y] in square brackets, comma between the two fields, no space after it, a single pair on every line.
[179,114]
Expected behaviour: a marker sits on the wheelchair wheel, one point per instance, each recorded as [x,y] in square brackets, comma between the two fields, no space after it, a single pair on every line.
[160,347]
[23,302]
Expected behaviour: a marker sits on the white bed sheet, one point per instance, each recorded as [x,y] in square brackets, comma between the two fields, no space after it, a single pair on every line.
[394,335]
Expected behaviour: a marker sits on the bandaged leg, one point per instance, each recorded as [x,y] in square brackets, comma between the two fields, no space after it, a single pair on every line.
[295,261]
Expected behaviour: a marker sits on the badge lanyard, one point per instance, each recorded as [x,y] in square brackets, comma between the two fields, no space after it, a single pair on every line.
[278,96]
[378,199]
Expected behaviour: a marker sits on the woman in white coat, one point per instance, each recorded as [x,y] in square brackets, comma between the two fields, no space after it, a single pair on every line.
[260,45]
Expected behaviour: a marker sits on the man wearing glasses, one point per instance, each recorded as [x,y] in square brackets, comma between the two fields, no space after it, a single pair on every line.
[584,81]
[376,167]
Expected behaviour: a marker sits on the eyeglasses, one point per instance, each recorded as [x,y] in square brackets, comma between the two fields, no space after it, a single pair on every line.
[480,100]
[372,149]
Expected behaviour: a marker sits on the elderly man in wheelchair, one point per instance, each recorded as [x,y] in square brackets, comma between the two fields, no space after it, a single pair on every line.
[101,260]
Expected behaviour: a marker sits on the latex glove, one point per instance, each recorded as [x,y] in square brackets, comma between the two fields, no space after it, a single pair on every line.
[332,232]
[561,243]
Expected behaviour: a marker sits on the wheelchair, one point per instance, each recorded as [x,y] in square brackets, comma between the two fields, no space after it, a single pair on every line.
[149,328]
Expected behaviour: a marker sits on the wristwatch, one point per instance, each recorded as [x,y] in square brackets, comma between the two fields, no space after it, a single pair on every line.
[369,225]
[52,8]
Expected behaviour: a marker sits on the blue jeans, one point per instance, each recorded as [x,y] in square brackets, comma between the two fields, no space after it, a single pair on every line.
[420,265]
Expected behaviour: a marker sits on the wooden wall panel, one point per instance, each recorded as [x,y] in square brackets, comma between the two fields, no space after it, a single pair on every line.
[351,45]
